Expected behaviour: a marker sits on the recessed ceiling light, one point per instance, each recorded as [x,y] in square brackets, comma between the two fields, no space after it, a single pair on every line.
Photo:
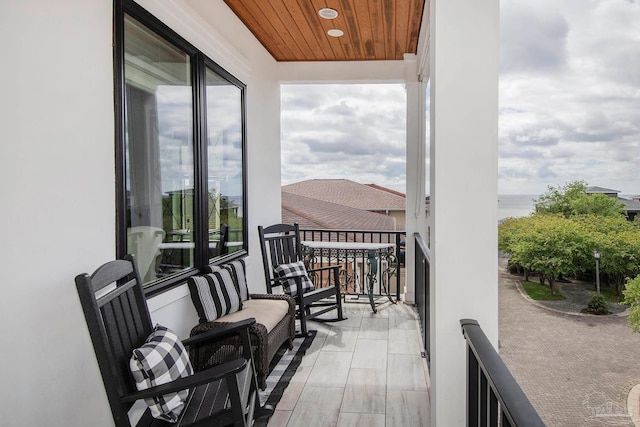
[334,32]
[328,13]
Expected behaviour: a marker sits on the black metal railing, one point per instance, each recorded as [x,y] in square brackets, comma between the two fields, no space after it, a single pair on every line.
[353,275]
[423,289]
[494,398]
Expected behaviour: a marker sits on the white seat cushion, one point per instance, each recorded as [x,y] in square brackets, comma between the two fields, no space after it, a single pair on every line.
[266,311]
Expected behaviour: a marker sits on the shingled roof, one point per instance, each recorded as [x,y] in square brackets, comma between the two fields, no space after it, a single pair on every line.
[594,189]
[388,190]
[630,205]
[313,213]
[348,193]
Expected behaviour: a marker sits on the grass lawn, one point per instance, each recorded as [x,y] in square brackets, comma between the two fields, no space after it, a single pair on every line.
[540,292]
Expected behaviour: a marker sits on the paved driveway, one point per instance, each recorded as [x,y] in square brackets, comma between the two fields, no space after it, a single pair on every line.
[577,370]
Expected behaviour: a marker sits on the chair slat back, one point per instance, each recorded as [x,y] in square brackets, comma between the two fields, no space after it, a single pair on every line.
[280,244]
[118,319]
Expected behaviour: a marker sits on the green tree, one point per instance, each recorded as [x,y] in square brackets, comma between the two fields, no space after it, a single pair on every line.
[597,204]
[618,242]
[572,199]
[548,244]
[558,200]
[632,297]
[621,258]
[568,226]
[510,232]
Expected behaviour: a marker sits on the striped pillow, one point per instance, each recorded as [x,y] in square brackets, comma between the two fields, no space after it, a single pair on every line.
[238,272]
[214,295]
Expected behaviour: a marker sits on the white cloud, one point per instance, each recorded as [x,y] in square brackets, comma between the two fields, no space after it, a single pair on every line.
[344,131]
[569,106]
[533,38]
[577,120]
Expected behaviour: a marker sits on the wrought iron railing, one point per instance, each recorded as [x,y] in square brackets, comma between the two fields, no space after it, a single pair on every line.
[494,398]
[353,275]
[423,289]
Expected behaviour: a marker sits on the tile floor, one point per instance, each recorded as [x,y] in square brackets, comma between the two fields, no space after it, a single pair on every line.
[363,371]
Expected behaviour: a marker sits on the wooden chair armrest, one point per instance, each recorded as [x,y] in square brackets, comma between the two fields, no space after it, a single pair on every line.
[298,279]
[335,268]
[203,377]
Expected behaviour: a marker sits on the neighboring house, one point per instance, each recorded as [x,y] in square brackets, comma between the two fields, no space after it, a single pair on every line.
[367,197]
[313,213]
[631,206]
[594,189]
[427,199]
[388,190]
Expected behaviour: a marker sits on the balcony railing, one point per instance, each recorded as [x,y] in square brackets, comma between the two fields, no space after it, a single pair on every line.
[353,275]
[494,398]
[423,288]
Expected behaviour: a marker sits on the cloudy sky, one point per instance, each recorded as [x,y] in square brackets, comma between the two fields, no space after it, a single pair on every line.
[569,106]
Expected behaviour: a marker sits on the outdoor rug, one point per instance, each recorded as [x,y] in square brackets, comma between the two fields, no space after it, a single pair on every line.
[281,370]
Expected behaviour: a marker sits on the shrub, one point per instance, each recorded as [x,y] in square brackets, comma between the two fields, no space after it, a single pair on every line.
[632,297]
[598,305]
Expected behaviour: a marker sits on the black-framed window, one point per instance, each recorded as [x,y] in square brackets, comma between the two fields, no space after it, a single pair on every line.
[180,144]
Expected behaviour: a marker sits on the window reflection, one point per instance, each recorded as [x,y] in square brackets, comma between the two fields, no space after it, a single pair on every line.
[183,190]
[224,156]
[159,153]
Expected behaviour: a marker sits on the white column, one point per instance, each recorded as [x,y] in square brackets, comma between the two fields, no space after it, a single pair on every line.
[464,139]
[415,218]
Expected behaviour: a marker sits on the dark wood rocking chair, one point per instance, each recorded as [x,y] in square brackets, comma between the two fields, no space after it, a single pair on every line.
[221,247]
[119,322]
[280,244]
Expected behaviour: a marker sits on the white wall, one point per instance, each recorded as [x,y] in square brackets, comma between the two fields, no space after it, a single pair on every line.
[464,138]
[58,190]
[342,72]
[57,175]
[415,215]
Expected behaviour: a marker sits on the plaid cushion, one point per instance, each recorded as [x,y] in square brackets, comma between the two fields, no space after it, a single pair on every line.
[238,272]
[287,272]
[214,295]
[161,359]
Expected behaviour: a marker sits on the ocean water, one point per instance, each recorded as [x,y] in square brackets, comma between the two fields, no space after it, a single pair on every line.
[515,205]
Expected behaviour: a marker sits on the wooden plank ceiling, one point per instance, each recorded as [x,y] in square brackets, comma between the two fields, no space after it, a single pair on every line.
[292,30]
